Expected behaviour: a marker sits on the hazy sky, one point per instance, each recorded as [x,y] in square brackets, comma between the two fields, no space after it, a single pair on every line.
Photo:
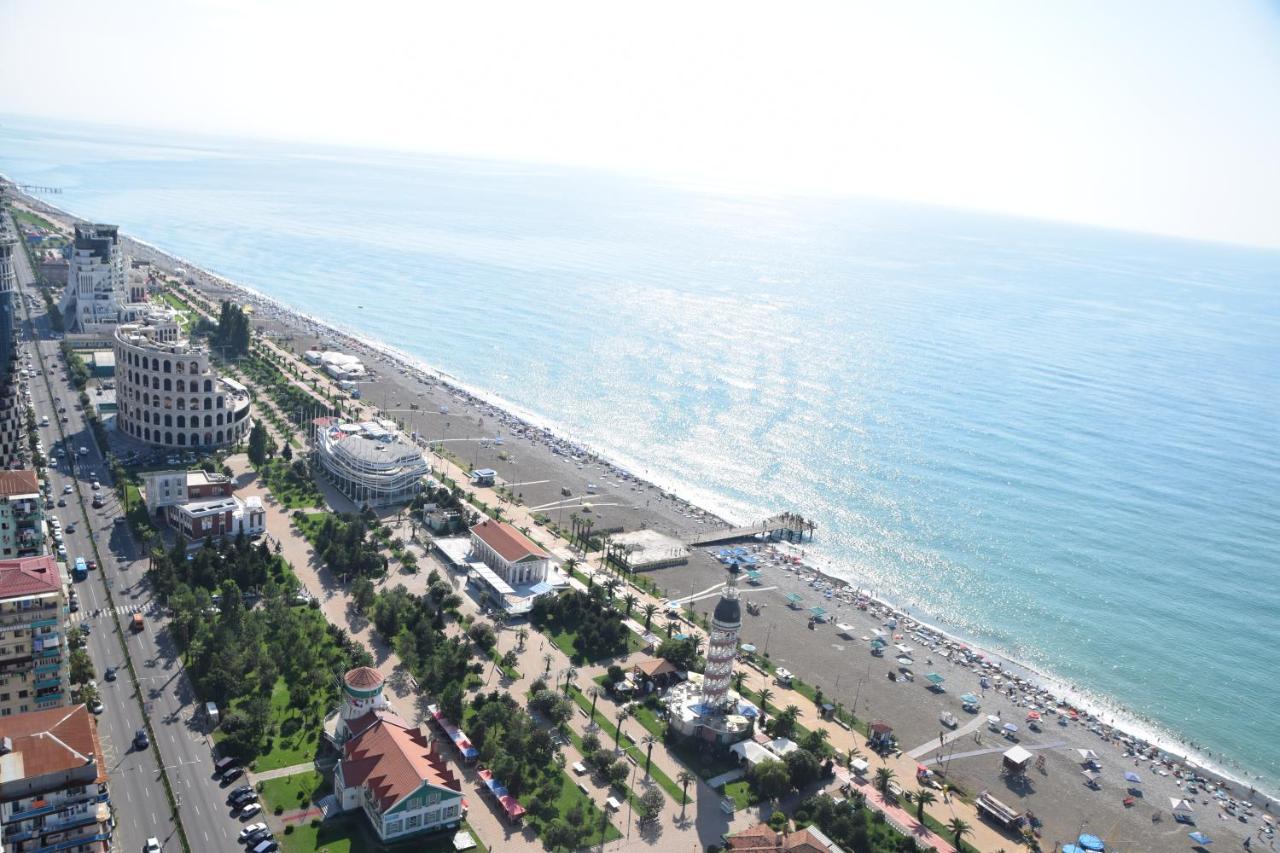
[1156,116]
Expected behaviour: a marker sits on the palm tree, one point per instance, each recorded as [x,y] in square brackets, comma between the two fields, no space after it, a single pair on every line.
[765,695]
[595,695]
[570,564]
[959,829]
[738,678]
[623,713]
[569,675]
[685,778]
[522,635]
[850,755]
[671,628]
[547,659]
[630,600]
[923,798]
[648,741]
[611,587]
[573,526]
[649,610]
[883,777]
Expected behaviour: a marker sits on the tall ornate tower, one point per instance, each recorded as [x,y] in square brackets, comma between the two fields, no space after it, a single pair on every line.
[722,647]
[361,693]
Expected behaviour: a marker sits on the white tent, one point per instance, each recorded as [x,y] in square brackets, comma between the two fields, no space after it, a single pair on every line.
[1087,755]
[1179,807]
[1017,755]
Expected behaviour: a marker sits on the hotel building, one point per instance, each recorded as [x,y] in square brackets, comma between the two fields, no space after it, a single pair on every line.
[96,290]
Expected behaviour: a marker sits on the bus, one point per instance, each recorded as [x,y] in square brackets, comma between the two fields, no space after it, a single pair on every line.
[81,570]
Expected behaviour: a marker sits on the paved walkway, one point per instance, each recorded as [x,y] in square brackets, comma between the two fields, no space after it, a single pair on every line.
[281,772]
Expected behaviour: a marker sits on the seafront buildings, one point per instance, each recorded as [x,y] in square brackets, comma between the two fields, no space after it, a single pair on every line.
[370,462]
[167,391]
[515,558]
[33,614]
[53,783]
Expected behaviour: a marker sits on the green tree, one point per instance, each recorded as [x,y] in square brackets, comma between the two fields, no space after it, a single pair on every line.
[685,778]
[651,803]
[649,610]
[770,779]
[803,768]
[363,594]
[883,777]
[81,667]
[258,444]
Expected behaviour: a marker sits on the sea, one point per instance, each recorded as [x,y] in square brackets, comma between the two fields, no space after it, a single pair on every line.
[1060,442]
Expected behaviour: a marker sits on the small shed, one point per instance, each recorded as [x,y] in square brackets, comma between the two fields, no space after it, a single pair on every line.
[1016,760]
[881,733]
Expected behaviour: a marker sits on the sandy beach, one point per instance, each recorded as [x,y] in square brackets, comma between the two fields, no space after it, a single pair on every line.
[538,465]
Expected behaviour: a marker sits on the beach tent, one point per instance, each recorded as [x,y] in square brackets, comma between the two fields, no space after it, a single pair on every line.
[1092,843]
[1199,838]
[818,613]
[858,766]
[1181,809]
[935,679]
[1091,776]
[1087,755]
[969,699]
[1016,760]
[793,600]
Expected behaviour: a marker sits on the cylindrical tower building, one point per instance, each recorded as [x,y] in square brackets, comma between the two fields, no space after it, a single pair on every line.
[361,693]
[722,648]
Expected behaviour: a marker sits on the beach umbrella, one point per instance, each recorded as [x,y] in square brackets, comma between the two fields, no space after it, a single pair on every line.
[1199,838]
[1091,842]
[1130,776]
[1033,715]
[1071,848]
[934,678]
[1011,728]
[969,699]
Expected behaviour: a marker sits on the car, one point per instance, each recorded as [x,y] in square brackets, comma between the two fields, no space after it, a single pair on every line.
[84,451]
[62,551]
[75,606]
[62,501]
[251,829]
[250,810]
[240,795]
[264,834]
[232,774]
[267,846]
[66,490]
[93,565]
[66,420]
[70,528]
[110,674]
[95,485]
[152,845]
[84,628]
[97,706]
[140,739]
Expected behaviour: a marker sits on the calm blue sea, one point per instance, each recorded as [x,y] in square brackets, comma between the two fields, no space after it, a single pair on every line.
[1061,442]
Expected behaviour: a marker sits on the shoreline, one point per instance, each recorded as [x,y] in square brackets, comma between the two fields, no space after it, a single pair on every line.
[1100,707]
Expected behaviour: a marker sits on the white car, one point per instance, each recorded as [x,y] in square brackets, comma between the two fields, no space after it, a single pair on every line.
[96,485]
[251,829]
[66,490]
[152,845]
[62,551]
[84,451]
[250,810]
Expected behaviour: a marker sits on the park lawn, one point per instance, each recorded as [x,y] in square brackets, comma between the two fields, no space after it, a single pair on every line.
[290,493]
[645,717]
[564,641]
[35,220]
[741,794]
[351,834]
[292,792]
[570,796]
[629,746]
[297,746]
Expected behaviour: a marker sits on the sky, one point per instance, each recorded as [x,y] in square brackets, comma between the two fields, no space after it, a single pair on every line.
[1149,116]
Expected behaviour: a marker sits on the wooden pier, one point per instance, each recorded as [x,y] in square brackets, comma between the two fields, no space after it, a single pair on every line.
[788,526]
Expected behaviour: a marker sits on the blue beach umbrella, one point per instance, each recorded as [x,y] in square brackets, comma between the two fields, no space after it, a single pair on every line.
[969,699]
[1071,848]
[1130,776]
[1091,842]
[1200,838]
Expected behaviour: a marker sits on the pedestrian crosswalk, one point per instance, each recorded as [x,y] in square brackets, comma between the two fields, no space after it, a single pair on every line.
[148,607]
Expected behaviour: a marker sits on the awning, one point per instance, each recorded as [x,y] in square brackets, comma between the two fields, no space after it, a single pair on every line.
[541,588]
[793,598]
[1017,755]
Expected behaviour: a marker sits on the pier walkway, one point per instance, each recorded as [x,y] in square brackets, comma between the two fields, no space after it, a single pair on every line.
[792,527]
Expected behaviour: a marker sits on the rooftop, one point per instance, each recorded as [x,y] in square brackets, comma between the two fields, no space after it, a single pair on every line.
[511,544]
[49,741]
[18,483]
[393,761]
[27,576]
[363,678]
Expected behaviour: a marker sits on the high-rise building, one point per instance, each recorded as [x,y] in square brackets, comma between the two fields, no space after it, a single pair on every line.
[33,652]
[22,530]
[53,783]
[10,411]
[168,392]
[96,291]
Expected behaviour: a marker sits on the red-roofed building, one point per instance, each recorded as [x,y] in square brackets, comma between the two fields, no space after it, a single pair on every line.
[53,782]
[514,556]
[33,674]
[21,515]
[760,838]
[392,771]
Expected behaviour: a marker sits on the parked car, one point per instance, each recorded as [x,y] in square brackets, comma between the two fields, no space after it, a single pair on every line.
[232,775]
[152,845]
[110,674]
[250,810]
[97,707]
[140,739]
[251,829]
